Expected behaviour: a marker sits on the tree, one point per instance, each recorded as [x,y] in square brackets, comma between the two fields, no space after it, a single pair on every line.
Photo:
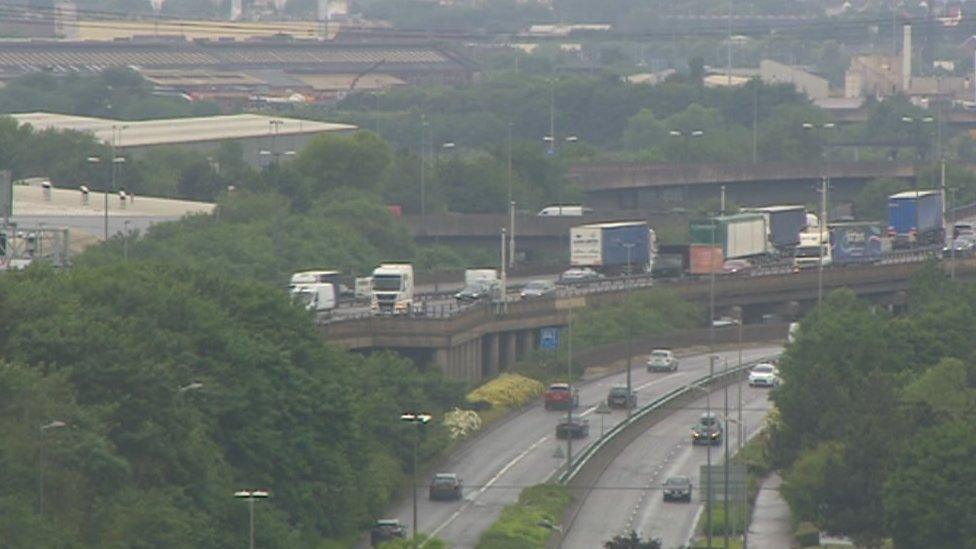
[643,131]
[872,200]
[632,541]
[331,161]
[931,493]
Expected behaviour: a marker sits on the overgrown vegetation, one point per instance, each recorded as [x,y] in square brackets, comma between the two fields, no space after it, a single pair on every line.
[529,523]
[874,417]
[147,458]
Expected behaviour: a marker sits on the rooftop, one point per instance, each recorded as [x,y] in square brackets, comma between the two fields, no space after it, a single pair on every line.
[173,131]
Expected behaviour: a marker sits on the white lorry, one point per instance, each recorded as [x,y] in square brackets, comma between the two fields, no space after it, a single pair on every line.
[313,277]
[319,297]
[814,246]
[393,289]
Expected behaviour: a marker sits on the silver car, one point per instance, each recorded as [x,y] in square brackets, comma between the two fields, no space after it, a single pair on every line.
[662,360]
[538,288]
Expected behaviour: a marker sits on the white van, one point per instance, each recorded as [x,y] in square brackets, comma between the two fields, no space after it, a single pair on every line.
[564,210]
[318,298]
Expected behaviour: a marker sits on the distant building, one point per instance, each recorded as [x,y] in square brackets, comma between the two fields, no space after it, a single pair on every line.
[264,139]
[813,86]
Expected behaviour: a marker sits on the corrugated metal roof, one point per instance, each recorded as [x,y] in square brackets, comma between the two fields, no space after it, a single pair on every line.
[178,130]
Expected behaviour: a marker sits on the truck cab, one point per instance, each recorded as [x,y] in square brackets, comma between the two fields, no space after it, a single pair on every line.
[392,292]
[319,298]
[813,249]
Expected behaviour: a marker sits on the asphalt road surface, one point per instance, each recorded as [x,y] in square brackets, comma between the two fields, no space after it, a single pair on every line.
[518,453]
[628,494]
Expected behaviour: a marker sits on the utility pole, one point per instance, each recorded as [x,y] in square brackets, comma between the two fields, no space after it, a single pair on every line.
[725,440]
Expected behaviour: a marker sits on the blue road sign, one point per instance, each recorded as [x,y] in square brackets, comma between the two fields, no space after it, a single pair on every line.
[549,338]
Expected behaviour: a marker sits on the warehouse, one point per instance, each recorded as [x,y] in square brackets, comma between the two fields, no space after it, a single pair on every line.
[263,138]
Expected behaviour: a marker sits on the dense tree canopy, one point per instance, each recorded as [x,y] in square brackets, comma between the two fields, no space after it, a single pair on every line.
[142,462]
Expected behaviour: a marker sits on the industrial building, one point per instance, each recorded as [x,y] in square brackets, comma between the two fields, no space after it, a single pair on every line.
[263,138]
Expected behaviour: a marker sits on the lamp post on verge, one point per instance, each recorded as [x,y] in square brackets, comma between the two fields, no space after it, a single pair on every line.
[708,453]
[418,420]
[824,189]
[250,496]
[56,424]
[511,203]
[630,322]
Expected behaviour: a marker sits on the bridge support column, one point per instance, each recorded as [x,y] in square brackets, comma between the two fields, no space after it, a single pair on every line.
[507,347]
[523,342]
[489,356]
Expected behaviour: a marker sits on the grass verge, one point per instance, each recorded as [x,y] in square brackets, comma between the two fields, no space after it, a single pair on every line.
[531,522]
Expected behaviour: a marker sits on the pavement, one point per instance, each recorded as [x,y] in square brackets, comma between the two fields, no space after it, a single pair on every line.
[771,526]
[519,452]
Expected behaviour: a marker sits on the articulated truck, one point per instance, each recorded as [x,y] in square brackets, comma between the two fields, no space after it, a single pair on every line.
[612,248]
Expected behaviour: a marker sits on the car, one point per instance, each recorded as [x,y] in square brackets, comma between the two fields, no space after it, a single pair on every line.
[561,396]
[725,322]
[708,430]
[961,229]
[764,374]
[446,486]
[538,288]
[620,397]
[963,245]
[573,426]
[662,360]
[677,489]
[736,266]
[483,290]
[578,274]
[385,530]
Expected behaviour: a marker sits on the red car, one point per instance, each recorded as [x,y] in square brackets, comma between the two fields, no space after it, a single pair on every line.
[561,396]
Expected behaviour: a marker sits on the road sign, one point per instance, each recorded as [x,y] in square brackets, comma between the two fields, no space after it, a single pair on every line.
[737,482]
[549,338]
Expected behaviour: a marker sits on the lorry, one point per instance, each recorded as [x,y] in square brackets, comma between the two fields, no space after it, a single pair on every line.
[705,259]
[613,248]
[740,236]
[785,224]
[814,247]
[480,284]
[319,297]
[392,292]
[313,277]
[858,242]
[915,219]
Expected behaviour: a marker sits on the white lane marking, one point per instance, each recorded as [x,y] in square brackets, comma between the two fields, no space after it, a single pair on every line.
[487,485]
[694,525]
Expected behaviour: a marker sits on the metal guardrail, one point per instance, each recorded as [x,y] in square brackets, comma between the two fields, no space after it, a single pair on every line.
[583,458]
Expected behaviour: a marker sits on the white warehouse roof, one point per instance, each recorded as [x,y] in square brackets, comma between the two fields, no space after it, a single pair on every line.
[174,131]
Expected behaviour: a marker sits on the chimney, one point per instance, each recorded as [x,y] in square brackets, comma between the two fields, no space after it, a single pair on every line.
[906,59]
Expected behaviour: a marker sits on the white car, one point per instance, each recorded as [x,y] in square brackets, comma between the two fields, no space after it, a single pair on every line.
[764,375]
[579,273]
[662,360]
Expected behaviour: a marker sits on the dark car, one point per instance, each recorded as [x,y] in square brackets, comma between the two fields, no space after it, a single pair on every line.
[561,396]
[620,397]
[677,489]
[708,430]
[482,290]
[446,486]
[573,426]
[385,530]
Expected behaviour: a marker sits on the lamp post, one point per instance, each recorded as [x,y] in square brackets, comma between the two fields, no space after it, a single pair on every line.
[56,424]
[511,203]
[418,420]
[824,189]
[686,134]
[423,174]
[708,454]
[250,496]
[630,321]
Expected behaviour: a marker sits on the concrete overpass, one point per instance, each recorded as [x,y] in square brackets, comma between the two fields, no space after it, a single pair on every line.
[483,341]
[663,187]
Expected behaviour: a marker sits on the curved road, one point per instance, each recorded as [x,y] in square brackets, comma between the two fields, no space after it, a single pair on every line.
[519,452]
[631,484]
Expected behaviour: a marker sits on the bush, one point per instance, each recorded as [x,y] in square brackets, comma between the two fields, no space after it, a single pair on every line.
[507,391]
[807,535]
[530,522]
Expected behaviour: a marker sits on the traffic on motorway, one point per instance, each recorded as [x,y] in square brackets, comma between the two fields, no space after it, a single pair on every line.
[519,452]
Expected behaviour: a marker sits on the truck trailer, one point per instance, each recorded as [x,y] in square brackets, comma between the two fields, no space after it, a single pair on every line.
[740,236]
[858,242]
[611,248]
[915,219]
[785,224]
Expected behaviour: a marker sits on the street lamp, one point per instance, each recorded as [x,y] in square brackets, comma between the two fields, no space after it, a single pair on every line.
[686,134]
[418,420]
[250,496]
[630,320]
[56,424]
[708,455]
[824,189]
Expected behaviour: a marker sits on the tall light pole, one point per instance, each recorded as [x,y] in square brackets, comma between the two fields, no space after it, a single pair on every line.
[503,273]
[725,469]
[552,117]
[630,322]
[824,189]
[418,420]
[511,205]
[708,452]
[56,424]
[250,496]
[423,180]
[685,134]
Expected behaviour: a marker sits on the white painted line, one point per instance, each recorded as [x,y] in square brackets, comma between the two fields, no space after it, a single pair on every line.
[487,485]
[694,524]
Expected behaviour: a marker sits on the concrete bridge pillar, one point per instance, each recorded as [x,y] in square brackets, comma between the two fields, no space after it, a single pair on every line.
[523,342]
[489,356]
[508,348]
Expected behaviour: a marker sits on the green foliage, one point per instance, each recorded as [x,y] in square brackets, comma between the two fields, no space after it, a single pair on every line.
[419,541]
[142,463]
[332,161]
[632,541]
[650,312]
[872,200]
[530,522]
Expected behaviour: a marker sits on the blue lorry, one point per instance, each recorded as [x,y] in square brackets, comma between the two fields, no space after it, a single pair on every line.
[613,248]
[858,242]
[915,219]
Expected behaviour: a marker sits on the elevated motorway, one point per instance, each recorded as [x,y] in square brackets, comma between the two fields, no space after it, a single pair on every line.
[633,185]
[478,342]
